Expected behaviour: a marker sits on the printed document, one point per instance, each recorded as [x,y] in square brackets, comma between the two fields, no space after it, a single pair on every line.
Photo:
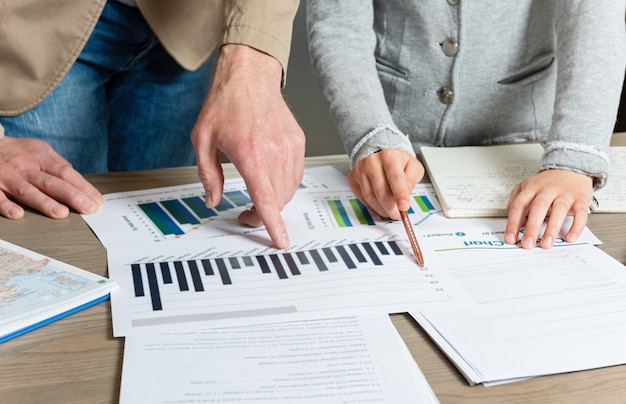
[533,312]
[336,360]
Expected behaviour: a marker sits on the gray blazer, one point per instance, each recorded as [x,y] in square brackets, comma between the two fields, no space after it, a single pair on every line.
[407,73]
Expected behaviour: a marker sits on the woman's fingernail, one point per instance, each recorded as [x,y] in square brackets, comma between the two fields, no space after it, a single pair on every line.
[527,243]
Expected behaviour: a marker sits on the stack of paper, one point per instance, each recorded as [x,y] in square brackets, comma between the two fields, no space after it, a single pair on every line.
[533,312]
[499,312]
[293,335]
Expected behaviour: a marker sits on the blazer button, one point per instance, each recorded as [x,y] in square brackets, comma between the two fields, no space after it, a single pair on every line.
[446,95]
[450,47]
[453,2]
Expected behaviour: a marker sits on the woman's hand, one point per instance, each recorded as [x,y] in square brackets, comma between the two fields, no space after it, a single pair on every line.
[383,181]
[551,194]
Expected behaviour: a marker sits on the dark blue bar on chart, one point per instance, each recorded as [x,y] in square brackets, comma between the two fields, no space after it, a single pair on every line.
[395,248]
[165,273]
[208,269]
[155,296]
[137,281]
[291,264]
[195,276]
[381,247]
[180,276]
[372,254]
[357,253]
[263,263]
[280,270]
[341,212]
[160,219]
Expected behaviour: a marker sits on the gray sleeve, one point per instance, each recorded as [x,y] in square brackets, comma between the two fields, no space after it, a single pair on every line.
[342,44]
[591,55]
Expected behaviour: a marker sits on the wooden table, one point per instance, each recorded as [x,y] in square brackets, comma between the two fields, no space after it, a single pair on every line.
[76,359]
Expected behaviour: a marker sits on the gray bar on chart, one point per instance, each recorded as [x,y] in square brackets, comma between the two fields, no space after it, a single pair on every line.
[247,261]
[346,257]
[146,322]
[329,254]
[317,258]
[357,253]
[221,268]
[234,262]
[302,257]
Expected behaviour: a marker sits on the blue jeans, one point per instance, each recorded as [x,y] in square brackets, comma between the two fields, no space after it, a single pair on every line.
[124,105]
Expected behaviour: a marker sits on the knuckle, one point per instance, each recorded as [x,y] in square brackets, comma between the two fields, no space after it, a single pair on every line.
[65,169]
[21,189]
[366,193]
[560,204]
[265,199]
[47,183]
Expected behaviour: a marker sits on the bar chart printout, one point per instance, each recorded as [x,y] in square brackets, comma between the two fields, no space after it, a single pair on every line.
[179,212]
[346,210]
[366,277]
[172,216]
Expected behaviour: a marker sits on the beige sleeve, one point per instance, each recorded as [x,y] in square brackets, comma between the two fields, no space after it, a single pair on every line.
[264,25]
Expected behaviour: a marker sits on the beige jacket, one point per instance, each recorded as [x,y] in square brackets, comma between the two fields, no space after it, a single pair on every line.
[40,40]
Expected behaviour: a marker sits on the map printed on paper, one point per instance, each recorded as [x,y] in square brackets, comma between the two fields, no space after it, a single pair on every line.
[26,283]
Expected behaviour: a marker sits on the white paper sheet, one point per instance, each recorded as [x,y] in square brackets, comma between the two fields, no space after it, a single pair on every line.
[153,216]
[332,268]
[535,312]
[234,281]
[341,360]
